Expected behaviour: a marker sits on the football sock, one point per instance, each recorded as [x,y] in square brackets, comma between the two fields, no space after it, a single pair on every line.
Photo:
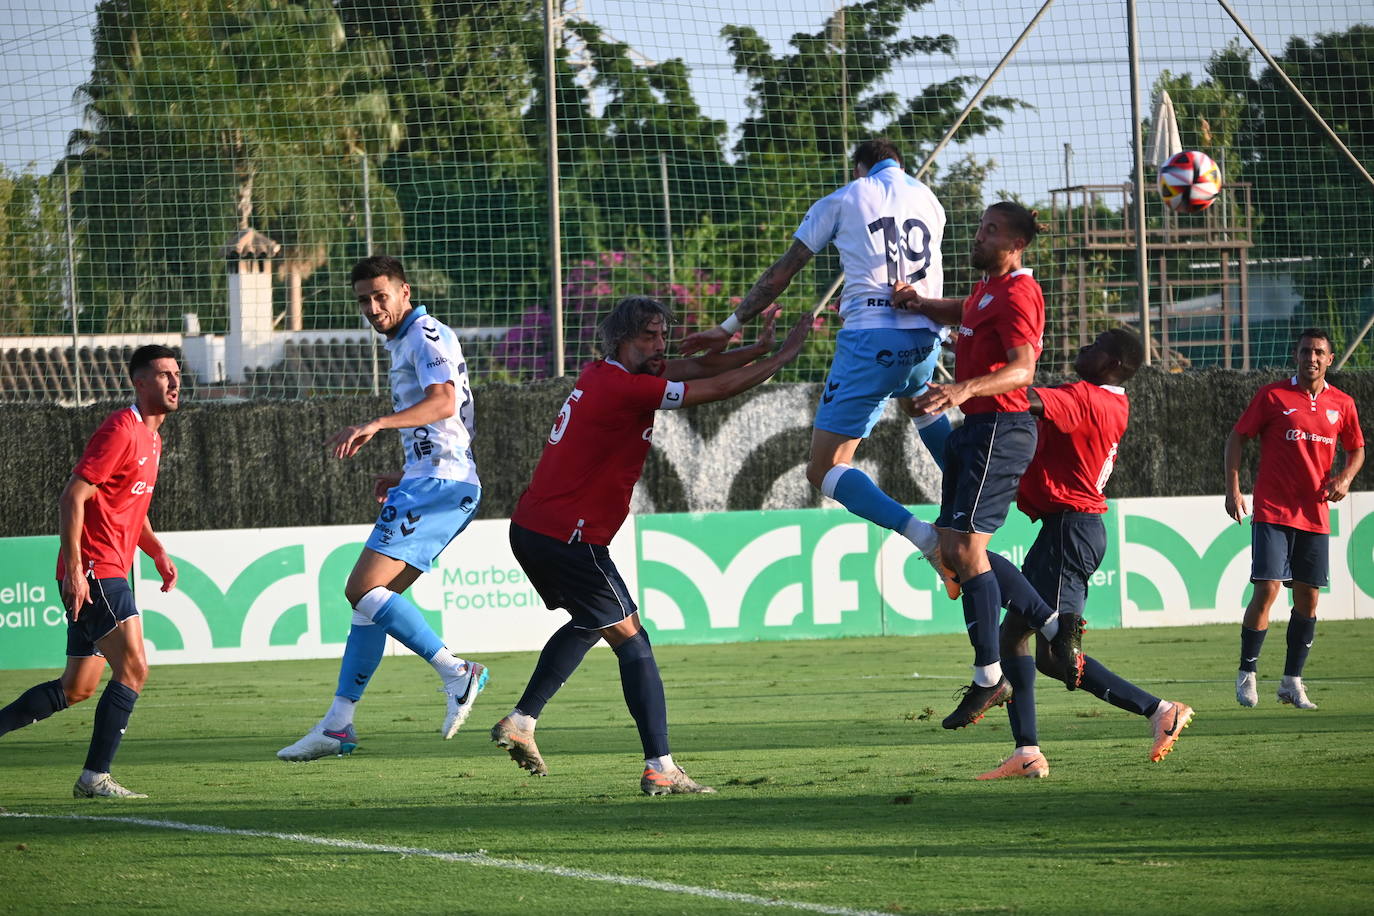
[1020,671]
[559,659]
[987,675]
[857,492]
[33,705]
[362,654]
[340,714]
[982,601]
[934,429]
[111,719]
[1017,594]
[404,622]
[922,534]
[643,687]
[1115,689]
[521,720]
[1250,643]
[660,763]
[451,668]
[1301,632]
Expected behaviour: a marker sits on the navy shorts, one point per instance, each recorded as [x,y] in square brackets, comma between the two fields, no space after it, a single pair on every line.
[1288,555]
[870,366]
[579,577]
[1066,553]
[984,461]
[111,601]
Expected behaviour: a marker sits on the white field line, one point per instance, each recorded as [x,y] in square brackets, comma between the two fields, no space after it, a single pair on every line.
[470,858]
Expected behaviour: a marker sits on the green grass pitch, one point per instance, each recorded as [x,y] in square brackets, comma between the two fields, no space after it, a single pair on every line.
[839,791]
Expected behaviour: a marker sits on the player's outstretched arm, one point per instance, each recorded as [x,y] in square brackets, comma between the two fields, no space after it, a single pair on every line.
[727,384]
[71,510]
[941,311]
[439,403]
[1235,500]
[764,293]
[1338,485]
[1017,373]
[709,364]
[149,544]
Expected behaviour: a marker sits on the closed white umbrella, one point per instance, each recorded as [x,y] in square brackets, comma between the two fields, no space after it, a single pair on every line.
[1164,139]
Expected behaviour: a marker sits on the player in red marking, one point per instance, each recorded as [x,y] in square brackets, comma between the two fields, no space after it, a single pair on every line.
[103,516]
[1298,422]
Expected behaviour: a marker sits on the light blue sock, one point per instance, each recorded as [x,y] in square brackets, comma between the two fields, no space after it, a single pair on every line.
[934,433]
[362,655]
[857,492]
[403,620]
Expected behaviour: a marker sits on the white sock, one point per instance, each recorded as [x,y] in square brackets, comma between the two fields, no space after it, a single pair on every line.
[90,776]
[922,534]
[987,675]
[1163,708]
[660,763]
[1290,681]
[450,667]
[831,478]
[340,715]
[521,721]
[1051,627]
[1028,749]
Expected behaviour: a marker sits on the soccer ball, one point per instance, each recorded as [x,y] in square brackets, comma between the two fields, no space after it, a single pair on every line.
[1189,182]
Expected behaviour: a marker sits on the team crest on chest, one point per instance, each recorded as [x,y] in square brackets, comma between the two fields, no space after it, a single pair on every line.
[1333,415]
[985,301]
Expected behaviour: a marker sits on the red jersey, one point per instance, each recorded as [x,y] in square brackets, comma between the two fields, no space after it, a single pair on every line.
[582,485]
[1076,450]
[121,461]
[1297,434]
[1001,313]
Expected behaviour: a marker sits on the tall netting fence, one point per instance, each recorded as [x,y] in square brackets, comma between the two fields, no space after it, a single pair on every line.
[204,174]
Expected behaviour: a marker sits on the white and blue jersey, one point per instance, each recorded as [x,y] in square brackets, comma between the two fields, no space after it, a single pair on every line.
[426,352]
[439,492]
[887,226]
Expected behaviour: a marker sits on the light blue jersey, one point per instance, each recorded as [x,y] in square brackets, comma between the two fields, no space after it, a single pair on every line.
[425,352]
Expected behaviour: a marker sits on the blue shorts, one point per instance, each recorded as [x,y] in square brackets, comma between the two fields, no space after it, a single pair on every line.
[578,576]
[984,461]
[1066,553]
[1288,555]
[111,601]
[870,366]
[419,518]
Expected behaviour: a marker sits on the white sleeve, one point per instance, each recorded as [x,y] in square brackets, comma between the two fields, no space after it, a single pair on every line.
[821,223]
[673,395]
[434,365]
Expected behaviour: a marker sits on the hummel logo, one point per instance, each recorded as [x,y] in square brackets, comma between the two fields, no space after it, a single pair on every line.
[830,389]
[1289,410]
[412,517]
[431,333]
[141,460]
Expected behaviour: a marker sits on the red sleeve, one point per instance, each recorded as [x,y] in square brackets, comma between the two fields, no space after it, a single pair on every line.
[105,452]
[637,391]
[1025,320]
[1351,436]
[1066,407]
[1252,421]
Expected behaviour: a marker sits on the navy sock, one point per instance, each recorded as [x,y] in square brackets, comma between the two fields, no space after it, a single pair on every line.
[1250,643]
[1017,593]
[982,606]
[111,718]
[33,705]
[1020,671]
[1301,631]
[643,687]
[362,654]
[1102,683]
[561,655]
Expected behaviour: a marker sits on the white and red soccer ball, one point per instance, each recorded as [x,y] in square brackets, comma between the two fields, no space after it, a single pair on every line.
[1189,182]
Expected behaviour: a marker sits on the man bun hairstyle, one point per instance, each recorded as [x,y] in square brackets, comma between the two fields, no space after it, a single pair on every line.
[378,265]
[144,356]
[1020,219]
[870,152]
[628,319]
